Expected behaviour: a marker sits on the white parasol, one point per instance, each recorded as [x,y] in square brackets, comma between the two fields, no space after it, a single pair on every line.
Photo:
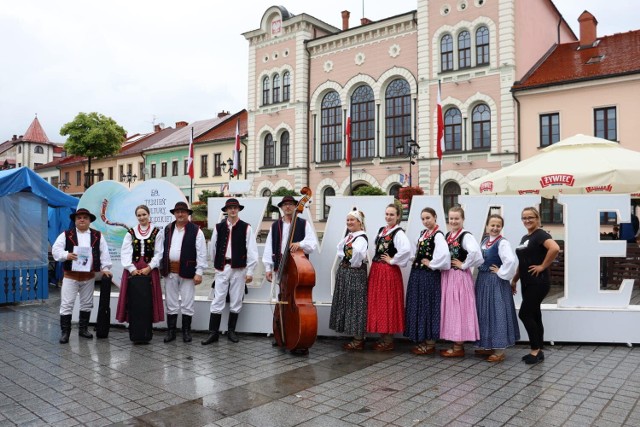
[580,164]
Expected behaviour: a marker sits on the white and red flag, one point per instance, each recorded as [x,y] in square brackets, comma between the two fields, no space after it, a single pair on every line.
[348,134]
[440,133]
[236,151]
[190,159]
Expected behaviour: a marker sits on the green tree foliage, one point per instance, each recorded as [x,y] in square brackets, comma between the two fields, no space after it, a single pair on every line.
[368,190]
[207,193]
[93,136]
[280,192]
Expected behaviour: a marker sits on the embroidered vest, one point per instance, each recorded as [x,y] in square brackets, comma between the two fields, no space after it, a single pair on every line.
[71,240]
[455,248]
[491,256]
[425,250]
[348,249]
[149,245]
[384,244]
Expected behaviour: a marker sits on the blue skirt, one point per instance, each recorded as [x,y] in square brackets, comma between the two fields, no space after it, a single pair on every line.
[422,315]
[496,312]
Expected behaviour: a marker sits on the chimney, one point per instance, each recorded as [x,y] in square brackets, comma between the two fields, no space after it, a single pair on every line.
[181,124]
[157,128]
[365,21]
[15,137]
[223,113]
[588,32]
[345,19]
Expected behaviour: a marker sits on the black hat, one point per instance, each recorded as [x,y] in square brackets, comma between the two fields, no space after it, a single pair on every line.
[181,206]
[232,203]
[286,199]
[81,211]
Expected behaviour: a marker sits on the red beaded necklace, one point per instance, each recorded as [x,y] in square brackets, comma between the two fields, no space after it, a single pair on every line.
[145,232]
[452,237]
[490,243]
[428,233]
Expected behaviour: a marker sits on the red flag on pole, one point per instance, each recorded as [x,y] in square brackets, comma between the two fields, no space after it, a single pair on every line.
[440,119]
[348,133]
[236,151]
[190,159]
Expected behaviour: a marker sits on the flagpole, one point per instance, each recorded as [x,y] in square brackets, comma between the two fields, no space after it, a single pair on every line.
[191,185]
[439,142]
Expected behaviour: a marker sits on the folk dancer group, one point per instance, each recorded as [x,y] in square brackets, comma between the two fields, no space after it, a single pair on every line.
[442,300]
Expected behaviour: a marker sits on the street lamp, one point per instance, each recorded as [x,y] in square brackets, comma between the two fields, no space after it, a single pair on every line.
[129,178]
[227,167]
[63,185]
[413,149]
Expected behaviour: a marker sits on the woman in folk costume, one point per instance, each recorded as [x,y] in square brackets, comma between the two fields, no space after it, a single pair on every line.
[494,295]
[385,311]
[422,320]
[349,306]
[141,253]
[459,321]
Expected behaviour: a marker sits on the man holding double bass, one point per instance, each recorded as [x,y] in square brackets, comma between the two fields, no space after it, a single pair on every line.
[286,238]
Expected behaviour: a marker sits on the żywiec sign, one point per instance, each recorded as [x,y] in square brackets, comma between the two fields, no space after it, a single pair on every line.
[585,313]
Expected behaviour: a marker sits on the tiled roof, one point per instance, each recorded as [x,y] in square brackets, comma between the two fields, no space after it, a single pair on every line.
[148,141]
[614,55]
[227,128]
[35,133]
[182,136]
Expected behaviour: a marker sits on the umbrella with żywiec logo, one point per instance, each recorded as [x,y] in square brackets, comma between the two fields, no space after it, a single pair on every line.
[580,164]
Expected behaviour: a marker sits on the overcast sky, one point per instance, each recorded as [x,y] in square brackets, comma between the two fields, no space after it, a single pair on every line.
[159,61]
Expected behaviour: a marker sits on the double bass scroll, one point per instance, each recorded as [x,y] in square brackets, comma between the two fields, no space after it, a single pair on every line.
[295,319]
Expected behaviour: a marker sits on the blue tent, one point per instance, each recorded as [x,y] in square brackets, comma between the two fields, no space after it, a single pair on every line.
[60,205]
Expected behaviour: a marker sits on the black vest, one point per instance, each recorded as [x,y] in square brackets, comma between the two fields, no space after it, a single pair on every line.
[71,238]
[276,239]
[384,244]
[455,248]
[425,250]
[149,245]
[188,254]
[238,245]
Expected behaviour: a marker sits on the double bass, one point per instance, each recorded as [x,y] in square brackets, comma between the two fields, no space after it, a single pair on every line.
[295,319]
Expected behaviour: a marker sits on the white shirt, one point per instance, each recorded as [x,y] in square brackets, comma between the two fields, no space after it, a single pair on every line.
[84,239]
[509,261]
[126,251]
[175,249]
[402,245]
[359,246]
[252,247]
[308,244]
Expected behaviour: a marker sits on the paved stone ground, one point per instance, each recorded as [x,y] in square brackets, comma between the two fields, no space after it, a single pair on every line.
[113,382]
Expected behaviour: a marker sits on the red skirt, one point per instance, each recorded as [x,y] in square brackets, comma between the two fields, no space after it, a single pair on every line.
[385,312]
[122,315]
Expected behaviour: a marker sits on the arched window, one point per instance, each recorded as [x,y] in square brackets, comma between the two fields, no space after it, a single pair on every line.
[284,149]
[464,49]
[267,212]
[276,88]
[450,195]
[395,191]
[362,123]
[331,128]
[482,46]
[269,151]
[397,116]
[286,86]
[453,130]
[38,150]
[446,53]
[265,91]
[328,192]
[481,123]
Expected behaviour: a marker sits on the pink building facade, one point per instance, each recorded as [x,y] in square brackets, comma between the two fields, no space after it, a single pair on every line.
[307,79]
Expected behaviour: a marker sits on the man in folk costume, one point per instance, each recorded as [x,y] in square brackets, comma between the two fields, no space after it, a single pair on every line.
[80,282]
[235,254]
[275,245]
[183,262]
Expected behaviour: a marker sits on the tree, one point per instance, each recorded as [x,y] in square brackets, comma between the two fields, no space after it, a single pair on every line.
[368,190]
[93,136]
[204,196]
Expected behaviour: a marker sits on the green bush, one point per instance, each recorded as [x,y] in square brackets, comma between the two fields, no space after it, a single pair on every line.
[369,190]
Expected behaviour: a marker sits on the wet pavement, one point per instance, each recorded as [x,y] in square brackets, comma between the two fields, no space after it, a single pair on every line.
[113,382]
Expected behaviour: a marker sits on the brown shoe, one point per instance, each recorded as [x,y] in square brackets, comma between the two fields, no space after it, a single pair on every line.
[452,353]
[383,346]
[483,352]
[423,349]
[355,345]
[496,358]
